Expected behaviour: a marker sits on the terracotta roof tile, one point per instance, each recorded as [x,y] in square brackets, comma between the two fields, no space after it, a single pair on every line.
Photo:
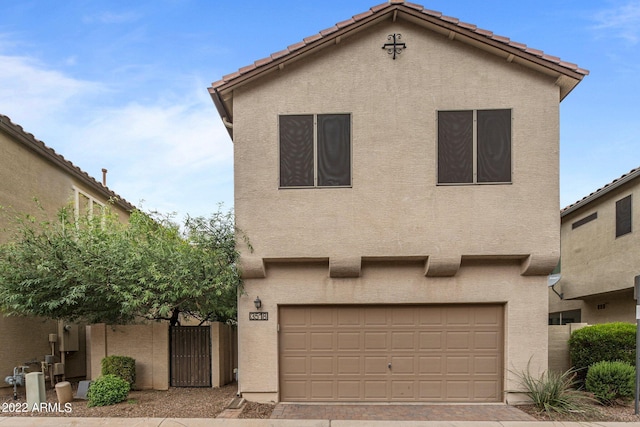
[463,26]
[248,68]
[296,46]
[451,19]
[328,31]
[432,13]
[415,6]
[345,23]
[362,15]
[280,54]
[468,26]
[313,38]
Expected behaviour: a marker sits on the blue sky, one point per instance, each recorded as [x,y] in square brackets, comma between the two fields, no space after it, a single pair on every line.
[123,84]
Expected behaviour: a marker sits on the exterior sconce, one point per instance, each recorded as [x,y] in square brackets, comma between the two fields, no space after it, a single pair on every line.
[257,303]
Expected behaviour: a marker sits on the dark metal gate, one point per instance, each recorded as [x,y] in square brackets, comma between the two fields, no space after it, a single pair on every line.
[190,356]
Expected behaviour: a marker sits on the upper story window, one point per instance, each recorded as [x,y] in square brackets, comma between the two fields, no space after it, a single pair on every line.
[474,146]
[623,216]
[315,150]
[584,220]
[86,204]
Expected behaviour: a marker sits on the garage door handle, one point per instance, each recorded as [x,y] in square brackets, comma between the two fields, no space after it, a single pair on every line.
[389,365]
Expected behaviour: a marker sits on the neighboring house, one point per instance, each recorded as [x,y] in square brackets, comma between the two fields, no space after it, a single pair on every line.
[600,250]
[401,201]
[30,170]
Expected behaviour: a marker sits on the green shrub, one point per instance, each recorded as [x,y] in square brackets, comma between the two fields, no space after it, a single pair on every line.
[120,366]
[554,393]
[107,390]
[611,381]
[607,341]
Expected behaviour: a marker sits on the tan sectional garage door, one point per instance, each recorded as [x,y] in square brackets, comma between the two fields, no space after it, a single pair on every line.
[450,353]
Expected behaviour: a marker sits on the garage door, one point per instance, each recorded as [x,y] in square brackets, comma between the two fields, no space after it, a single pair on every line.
[449,353]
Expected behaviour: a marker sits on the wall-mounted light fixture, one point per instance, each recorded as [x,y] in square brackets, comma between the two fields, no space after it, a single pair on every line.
[258,303]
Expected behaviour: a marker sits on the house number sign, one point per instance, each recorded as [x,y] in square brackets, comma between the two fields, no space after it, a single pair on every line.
[258,315]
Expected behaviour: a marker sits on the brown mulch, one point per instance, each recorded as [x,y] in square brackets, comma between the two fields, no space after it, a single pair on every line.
[181,402]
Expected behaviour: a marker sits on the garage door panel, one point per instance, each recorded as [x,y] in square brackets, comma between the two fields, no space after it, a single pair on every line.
[322,365]
[431,340]
[349,341]
[292,341]
[375,341]
[437,353]
[321,341]
[402,390]
[403,340]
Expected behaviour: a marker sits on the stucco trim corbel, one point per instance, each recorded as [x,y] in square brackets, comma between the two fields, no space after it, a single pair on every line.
[340,267]
[442,266]
[252,268]
[539,265]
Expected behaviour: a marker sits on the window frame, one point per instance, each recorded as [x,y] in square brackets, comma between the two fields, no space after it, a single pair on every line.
[316,117]
[475,157]
[622,229]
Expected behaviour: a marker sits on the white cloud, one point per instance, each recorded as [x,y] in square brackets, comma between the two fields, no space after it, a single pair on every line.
[107,17]
[622,21]
[29,90]
[171,151]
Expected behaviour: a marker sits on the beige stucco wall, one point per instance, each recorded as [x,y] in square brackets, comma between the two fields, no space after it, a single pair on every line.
[148,344]
[597,267]
[559,360]
[395,209]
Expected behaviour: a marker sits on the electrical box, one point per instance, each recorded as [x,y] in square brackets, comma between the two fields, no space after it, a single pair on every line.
[58,369]
[68,339]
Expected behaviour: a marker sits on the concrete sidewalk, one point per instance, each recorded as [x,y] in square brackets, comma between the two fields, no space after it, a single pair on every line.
[228,422]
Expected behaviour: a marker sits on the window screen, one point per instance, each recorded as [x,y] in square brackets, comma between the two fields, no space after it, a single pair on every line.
[623,216]
[334,150]
[494,146]
[296,151]
[455,147]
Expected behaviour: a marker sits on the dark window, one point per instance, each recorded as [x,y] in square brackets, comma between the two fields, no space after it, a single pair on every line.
[564,317]
[483,135]
[584,220]
[623,216]
[315,150]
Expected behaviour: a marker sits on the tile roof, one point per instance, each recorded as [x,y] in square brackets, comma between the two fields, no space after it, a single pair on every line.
[462,27]
[632,174]
[30,142]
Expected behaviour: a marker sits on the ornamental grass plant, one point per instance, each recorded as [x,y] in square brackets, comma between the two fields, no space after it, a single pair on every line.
[555,393]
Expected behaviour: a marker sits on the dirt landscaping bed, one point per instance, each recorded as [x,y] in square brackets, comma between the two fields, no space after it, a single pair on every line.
[177,402]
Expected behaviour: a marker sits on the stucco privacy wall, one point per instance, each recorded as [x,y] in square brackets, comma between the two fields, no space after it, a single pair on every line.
[148,344]
[559,360]
[394,209]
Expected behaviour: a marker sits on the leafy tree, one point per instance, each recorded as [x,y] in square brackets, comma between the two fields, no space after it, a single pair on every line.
[96,268]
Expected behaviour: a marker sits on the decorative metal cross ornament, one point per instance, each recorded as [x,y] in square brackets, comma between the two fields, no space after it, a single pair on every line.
[394,48]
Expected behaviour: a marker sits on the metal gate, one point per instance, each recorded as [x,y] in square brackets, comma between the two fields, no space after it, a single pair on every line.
[190,356]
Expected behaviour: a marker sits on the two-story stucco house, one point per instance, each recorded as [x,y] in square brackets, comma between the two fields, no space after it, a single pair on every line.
[397,177]
[30,170]
[599,256]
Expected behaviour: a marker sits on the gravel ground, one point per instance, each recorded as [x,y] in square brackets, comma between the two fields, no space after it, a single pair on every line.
[174,403]
[210,402]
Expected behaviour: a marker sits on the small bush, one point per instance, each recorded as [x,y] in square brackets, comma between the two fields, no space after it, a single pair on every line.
[107,390]
[554,392]
[611,381]
[120,366]
[607,341]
